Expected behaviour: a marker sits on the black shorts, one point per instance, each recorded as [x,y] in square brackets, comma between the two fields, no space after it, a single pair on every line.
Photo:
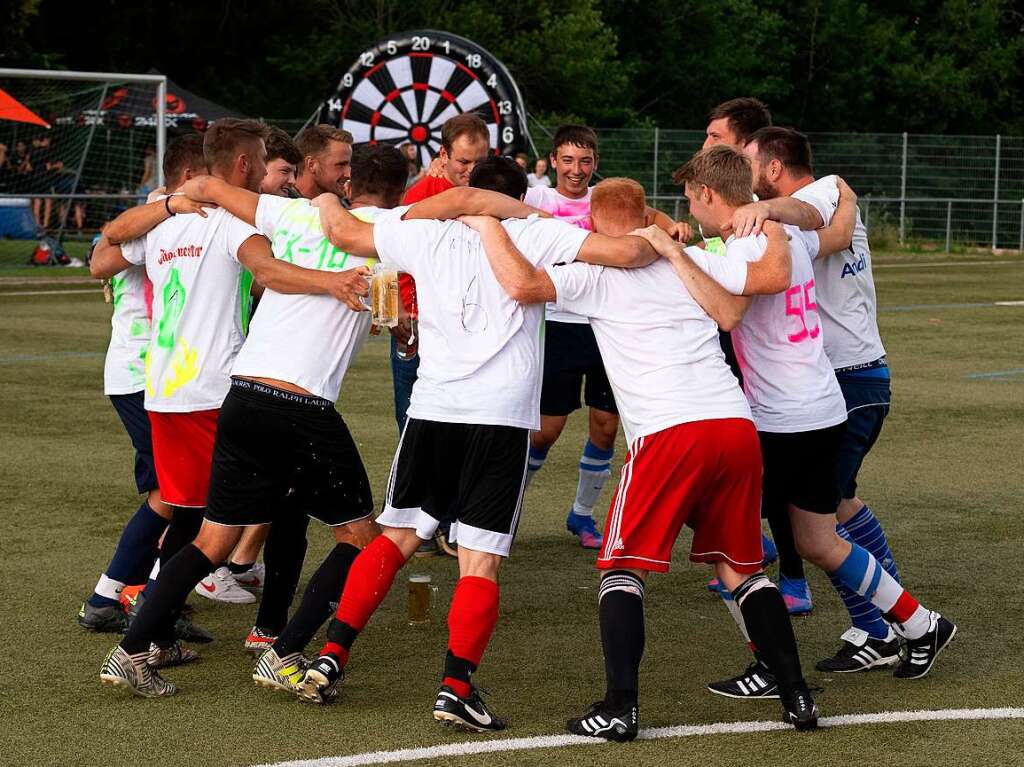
[271,444]
[470,475]
[800,469]
[572,361]
[131,409]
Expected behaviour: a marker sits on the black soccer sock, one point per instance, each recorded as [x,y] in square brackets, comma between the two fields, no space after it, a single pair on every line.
[238,569]
[621,608]
[182,530]
[167,596]
[791,565]
[283,555]
[323,588]
[769,627]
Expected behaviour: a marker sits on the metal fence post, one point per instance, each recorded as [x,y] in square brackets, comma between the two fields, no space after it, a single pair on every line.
[995,192]
[1020,242]
[656,137]
[949,221]
[903,189]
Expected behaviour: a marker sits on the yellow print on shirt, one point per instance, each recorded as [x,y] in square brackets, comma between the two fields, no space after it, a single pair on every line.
[183,368]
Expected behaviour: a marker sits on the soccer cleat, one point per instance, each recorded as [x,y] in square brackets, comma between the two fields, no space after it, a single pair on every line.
[861,652]
[799,709]
[221,586]
[585,529]
[756,683]
[107,619]
[320,682]
[259,640]
[920,654]
[172,655]
[133,672]
[600,721]
[771,552]
[715,586]
[252,580]
[184,628]
[470,713]
[280,673]
[796,594]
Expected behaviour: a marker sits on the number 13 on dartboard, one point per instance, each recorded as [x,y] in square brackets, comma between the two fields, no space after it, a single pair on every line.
[800,303]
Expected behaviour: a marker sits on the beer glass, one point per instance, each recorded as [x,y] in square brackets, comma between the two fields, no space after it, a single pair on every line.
[385,300]
[421,598]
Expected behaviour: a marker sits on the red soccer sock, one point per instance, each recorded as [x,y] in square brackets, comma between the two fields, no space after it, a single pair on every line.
[471,621]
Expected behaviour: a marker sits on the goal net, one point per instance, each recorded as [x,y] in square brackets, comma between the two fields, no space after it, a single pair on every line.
[76,148]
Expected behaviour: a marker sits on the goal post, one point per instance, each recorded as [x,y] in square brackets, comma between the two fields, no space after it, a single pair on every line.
[77,147]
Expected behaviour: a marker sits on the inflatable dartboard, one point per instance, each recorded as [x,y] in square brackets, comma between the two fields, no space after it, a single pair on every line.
[404,87]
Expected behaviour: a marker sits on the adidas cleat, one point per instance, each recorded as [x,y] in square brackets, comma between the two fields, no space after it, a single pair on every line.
[133,672]
[756,683]
[259,641]
[470,713]
[172,655]
[920,654]
[799,709]
[585,529]
[600,721]
[861,652]
[320,682]
[108,619]
[280,673]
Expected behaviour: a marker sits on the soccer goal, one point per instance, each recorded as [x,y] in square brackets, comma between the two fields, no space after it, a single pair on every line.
[76,148]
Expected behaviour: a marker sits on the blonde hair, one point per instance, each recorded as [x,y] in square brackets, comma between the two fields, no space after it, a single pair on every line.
[721,169]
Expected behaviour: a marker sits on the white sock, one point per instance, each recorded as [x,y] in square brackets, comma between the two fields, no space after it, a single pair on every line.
[595,468]
[109,588]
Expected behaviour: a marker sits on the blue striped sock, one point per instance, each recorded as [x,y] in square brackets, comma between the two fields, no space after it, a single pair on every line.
[595,468]
[863,614]
[865,530]
[535,461]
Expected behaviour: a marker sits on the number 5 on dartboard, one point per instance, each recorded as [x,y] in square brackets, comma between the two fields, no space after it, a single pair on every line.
[800,303]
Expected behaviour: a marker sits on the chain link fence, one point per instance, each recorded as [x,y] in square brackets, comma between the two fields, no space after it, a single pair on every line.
[948,190]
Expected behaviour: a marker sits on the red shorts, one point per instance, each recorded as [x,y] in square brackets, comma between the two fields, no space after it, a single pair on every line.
[183,454]
[705,474]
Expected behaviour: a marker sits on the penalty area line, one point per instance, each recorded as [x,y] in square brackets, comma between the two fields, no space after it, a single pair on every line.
[657,733]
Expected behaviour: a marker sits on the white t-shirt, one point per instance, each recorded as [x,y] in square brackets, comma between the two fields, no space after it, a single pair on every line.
[779,344]
[480,351]
[573,211]
[846,287]
[660,349]
[124,370]
[197,308]
[532,180]
[307,340]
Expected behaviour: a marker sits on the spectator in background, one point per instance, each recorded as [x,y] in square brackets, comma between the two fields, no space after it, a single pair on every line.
[283,160]
[539,177]
[521,160]
[41,181]
[148,181]
[411,155]
[6,168]
[22,160]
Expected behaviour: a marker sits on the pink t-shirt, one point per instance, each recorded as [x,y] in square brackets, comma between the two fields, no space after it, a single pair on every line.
[574,211]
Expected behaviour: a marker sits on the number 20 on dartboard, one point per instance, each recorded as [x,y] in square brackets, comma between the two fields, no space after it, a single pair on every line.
[800,303]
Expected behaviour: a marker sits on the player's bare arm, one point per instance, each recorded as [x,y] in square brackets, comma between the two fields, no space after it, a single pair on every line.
[344,230]
[348,286]
[136,222]
[678,230]
[628,252]
[468,201]
[240,203]
[522,281]
[107,259]
[838,235]
[749,219]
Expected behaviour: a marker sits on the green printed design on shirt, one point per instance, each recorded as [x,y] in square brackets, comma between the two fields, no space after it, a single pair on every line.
[245,285]
[174,303]
[118,287]
[715,245]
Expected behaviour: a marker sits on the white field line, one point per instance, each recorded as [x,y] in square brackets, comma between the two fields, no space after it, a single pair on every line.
[941,264]
[47,292]
[684,731]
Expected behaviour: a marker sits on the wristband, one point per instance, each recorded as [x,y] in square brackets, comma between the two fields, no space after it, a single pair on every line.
[167,204]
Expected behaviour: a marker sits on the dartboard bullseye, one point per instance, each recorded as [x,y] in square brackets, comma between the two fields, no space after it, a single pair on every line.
[404,88]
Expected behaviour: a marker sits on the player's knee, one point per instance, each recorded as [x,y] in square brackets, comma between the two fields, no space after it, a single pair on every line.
[357,534]
[479,564]
[603,428]
[217,541]
[404,538]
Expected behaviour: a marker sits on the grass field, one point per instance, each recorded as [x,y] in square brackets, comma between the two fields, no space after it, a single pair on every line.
[945,478]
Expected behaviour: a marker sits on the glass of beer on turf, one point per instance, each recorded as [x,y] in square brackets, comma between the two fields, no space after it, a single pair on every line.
[385,299]
[421,598]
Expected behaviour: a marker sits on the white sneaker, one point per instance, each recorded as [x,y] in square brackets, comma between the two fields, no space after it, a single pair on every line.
[253,578]
[220,586]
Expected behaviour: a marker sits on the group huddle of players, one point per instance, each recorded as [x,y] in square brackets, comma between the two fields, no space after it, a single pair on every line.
[232,411]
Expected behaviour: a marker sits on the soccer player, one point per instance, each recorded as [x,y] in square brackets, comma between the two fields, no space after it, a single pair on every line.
[124,382]
[798,408]
[326,164]
[194,263]
[782,165]
[283,161]
[693,458]
[463,452]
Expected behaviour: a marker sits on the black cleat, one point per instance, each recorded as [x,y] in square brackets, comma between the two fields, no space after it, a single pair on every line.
[921,653]
[109,619]
[601,721]
[799,709]
[319,684]
[861,652]
[470,712]
[756,683]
